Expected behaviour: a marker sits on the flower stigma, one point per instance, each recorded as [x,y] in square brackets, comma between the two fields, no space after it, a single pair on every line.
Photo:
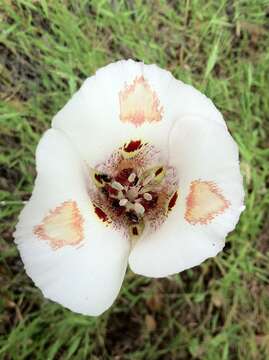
[134,189]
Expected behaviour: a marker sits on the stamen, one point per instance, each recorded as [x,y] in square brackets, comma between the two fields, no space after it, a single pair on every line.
[116,185]
[132,177]
[123,202]
[139,209]
[147,196]
[148,179]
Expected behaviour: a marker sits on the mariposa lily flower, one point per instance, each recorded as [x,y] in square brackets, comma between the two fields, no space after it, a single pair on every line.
[138,167]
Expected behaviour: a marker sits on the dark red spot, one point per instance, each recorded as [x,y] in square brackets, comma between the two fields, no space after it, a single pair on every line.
[115,204]
[132,146]
[158,171]
[98,178]
[122,176]
[111,190]
[105,191]
[135,231]
[118,210]
[105,178]
[172,201]
[100,213]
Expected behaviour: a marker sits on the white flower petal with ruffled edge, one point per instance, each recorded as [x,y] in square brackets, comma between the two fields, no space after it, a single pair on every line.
[123,101]
[128,100]
[68,252]
[210,200]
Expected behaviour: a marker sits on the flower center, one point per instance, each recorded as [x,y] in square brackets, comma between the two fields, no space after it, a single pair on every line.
[132,191]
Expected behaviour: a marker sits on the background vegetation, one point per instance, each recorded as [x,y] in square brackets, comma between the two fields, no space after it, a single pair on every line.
[216,311]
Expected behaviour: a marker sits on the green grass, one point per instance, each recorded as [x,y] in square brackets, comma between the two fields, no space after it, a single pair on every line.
[217,311]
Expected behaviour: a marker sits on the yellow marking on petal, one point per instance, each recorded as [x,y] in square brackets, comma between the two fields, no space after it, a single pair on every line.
[139,103]
[62,226]
[204,202]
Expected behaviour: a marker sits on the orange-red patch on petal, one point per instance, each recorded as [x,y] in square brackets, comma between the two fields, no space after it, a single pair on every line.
[139,103]
[62,226]
[204,202]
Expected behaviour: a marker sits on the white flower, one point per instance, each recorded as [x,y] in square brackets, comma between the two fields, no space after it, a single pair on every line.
[138,167]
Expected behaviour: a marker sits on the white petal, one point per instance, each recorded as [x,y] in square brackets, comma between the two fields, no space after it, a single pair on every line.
[86,275]
[204,153]
[92,118]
